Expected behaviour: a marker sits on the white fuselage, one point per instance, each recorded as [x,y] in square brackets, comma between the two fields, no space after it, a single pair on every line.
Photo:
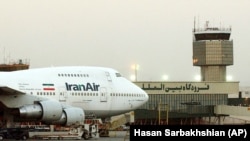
[102,92]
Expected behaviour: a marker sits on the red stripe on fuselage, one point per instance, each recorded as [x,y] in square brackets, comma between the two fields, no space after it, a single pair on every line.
[49,89]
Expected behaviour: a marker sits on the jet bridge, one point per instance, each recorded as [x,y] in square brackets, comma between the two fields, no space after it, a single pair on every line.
[236,112]
[114,123]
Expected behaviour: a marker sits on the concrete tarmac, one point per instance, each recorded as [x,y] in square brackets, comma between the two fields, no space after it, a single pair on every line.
[113,136]
[116,136]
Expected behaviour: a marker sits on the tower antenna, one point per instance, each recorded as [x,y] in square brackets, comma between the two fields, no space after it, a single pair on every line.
[194,24]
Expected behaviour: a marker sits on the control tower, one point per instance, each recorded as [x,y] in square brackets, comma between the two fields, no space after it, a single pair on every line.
[212,51]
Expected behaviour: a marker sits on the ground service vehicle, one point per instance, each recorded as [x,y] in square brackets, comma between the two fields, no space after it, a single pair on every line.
[14,133]
[86,131]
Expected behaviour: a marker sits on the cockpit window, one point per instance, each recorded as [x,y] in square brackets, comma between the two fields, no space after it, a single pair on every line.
[118,75]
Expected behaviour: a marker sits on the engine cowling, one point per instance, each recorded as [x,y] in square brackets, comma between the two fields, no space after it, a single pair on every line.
[71,116]
[49,110]
[52,112]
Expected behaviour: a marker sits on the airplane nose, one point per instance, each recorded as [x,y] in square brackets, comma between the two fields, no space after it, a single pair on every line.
[146,96]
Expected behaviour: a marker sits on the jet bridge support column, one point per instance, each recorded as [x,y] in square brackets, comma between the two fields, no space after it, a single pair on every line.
[220,119]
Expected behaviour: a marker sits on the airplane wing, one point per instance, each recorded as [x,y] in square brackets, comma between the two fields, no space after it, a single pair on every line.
[5,90]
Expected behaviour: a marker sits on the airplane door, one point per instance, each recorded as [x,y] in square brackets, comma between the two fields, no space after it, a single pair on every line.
[103,94]
[62,95]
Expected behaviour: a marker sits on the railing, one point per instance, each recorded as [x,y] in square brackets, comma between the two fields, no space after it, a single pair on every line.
[212,29]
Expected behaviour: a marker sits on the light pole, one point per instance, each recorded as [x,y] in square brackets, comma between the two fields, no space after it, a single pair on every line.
[165,77]
[135,67]
[135,72]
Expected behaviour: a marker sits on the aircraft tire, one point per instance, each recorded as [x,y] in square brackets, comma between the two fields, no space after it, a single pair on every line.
[86,136]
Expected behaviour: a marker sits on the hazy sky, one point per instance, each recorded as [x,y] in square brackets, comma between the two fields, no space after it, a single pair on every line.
[156,34]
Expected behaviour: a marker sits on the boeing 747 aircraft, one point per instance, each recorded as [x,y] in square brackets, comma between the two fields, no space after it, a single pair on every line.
[66,95]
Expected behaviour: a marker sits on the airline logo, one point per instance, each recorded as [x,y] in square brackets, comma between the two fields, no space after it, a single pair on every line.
[48,87]
[82,87]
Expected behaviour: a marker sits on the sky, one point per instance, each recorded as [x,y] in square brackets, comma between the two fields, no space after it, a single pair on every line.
[154,34]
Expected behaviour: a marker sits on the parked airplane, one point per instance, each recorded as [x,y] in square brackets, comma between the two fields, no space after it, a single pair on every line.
[66,95]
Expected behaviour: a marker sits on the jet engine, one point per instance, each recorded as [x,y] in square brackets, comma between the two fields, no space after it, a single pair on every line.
[70,116]
[52,112]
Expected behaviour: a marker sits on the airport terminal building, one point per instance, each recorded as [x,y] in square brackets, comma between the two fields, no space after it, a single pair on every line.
[185,102]
[182,102]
